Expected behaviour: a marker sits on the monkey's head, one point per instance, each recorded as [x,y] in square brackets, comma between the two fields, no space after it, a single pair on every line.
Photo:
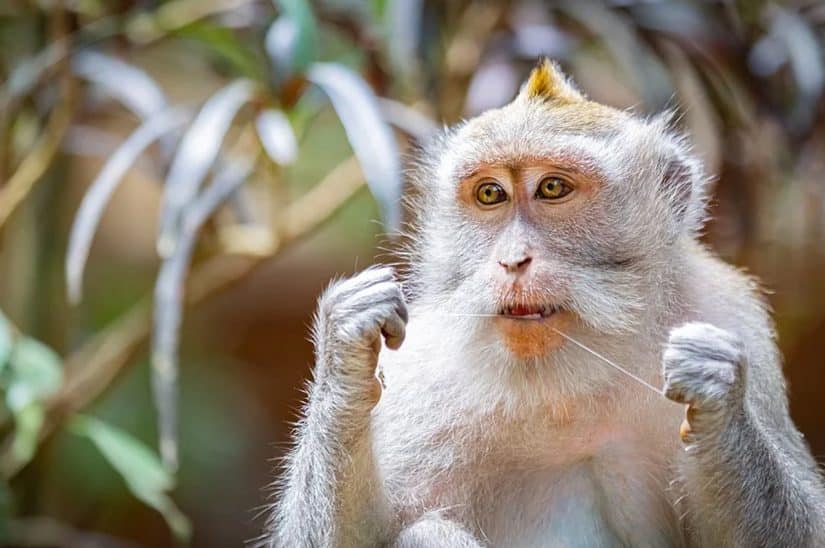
[552,211]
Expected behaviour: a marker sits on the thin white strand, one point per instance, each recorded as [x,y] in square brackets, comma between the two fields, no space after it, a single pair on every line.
[609,362]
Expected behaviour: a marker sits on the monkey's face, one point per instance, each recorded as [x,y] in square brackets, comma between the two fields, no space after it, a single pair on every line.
[524,213]
[554,215]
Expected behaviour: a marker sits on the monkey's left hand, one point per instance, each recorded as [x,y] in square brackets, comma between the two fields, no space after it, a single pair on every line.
[704,367]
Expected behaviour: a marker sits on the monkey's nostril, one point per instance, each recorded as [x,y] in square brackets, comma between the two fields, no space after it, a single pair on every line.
[515,265]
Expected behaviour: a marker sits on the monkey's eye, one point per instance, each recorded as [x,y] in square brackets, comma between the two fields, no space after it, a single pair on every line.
[553,188]
[490,193]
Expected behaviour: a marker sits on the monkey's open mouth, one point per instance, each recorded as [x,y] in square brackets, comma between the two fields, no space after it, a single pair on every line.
[529,311]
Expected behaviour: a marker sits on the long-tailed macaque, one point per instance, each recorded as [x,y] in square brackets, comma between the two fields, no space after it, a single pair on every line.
[552,214]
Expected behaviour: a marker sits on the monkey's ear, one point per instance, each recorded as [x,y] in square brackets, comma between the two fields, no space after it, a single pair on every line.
[685,182]
[548,83]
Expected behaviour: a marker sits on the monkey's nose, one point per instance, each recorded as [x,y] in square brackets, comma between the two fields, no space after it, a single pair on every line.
[516,264]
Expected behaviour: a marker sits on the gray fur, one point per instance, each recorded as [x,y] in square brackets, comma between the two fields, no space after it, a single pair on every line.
[471,445]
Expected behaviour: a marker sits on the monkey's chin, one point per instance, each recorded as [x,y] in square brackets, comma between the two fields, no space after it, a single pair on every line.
[533,336]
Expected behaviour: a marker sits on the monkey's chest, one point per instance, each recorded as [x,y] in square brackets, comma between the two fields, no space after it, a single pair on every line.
[577,506]
[530,496]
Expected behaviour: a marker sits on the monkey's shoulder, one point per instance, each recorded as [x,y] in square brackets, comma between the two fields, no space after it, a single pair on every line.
[727,296]
[730,298]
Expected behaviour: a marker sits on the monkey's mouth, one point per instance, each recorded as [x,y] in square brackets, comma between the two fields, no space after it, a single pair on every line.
[529,311]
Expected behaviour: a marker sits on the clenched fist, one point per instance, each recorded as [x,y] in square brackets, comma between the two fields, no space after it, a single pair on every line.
[704,367]
[353,315]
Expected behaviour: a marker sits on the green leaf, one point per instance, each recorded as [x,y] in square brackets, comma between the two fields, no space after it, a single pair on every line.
[5,341]
[225,45]
[139,467]
[27,424]
[35,373]
[292,39]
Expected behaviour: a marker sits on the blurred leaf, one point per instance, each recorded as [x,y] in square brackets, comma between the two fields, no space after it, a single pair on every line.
[407,119]
[403,22]
[24,77]
[277,137]
[292,39]
[195,156]
[280,43]
[685,20]
[5,341]
[493,84]
[226,46]
[145,27]
[627,47]
[537,34]
[27,424]
[369,135]
[767,56]
[124,82]
[86,140]
[804,51]
[169,301]
[34,374]
[536,40]
[100,191]
[140,468]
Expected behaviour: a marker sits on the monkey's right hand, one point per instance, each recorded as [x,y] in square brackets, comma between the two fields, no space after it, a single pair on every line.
[353,314]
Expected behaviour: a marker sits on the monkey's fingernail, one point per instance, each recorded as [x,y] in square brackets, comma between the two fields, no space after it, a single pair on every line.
[685,430]
[375,391]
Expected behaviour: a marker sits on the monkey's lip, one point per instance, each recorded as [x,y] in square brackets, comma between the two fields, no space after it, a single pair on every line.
[529,311]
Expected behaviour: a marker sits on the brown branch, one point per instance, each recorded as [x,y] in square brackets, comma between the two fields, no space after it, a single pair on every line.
[34,165]
[38,160]
[322,200]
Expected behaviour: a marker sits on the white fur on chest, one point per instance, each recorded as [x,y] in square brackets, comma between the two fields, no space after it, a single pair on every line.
[609,499]
[529,475]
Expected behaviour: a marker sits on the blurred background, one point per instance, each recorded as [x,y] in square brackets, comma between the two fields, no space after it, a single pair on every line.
[180,179]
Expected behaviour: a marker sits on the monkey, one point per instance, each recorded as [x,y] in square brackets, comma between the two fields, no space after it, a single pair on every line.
[446,410]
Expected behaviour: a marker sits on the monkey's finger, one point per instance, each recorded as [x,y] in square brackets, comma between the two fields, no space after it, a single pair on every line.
[364,281]
[394,330]
[383,295]
[401,309]
[371,276]
[676,393]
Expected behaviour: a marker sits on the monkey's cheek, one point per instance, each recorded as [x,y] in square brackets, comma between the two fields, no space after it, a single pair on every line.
[533,338]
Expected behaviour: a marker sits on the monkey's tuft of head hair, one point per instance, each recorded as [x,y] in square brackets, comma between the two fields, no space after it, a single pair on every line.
[548,83]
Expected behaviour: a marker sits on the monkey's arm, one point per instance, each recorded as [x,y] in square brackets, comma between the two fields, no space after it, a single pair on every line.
[330,494]
[749,480]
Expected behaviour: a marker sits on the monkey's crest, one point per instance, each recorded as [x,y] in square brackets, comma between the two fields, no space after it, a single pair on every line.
[548,83]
